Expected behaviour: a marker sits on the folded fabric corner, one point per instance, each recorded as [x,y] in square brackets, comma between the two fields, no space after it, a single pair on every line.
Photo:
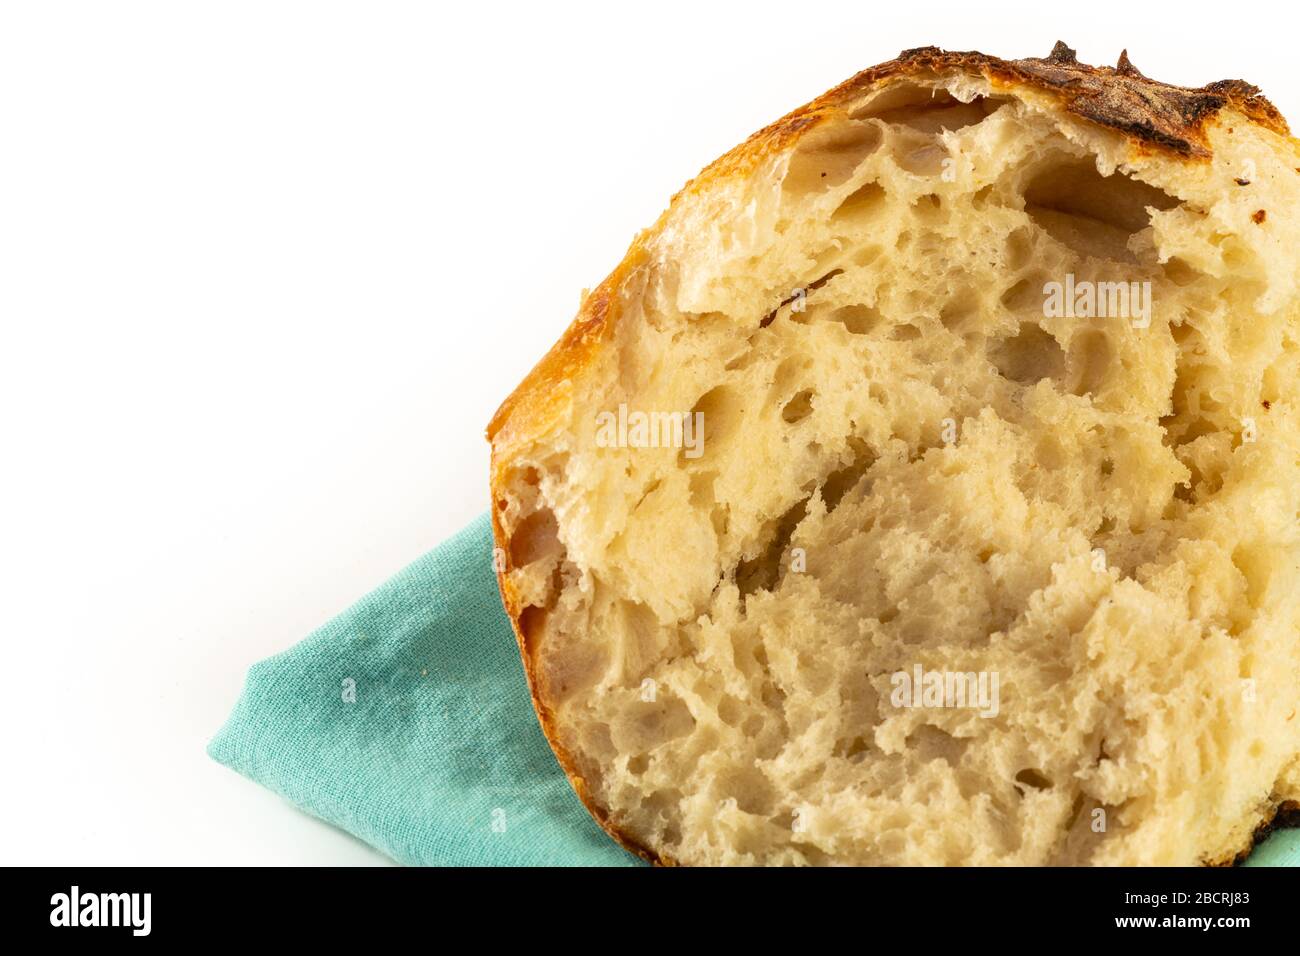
[406,721]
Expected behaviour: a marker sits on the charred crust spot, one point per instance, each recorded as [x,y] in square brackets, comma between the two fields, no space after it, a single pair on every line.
[1149,112]
[1125,66]
[1061,53]
[1242,182]
[1259,216]
[919,52]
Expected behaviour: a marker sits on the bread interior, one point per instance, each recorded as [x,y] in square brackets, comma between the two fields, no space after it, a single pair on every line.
[910,461]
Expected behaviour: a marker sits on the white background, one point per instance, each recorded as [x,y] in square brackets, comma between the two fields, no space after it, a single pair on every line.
[267,269]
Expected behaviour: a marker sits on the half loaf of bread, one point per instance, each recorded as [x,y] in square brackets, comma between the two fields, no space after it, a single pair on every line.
[922,488]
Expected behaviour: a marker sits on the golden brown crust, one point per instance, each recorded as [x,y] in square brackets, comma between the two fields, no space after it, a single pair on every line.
[1151,115]
[1148,112]
[546,719]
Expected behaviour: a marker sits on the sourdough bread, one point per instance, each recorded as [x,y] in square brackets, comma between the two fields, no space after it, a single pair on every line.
[922,488]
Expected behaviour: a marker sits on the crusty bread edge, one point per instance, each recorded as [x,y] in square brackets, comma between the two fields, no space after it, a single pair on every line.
[1176,127]
[533,408]
[546,718]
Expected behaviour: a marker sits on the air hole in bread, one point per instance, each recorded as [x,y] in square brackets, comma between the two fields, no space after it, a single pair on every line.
[1019,249]
[1194,413]
[861,203]
[919,157]
[750,789]
[852,749]
[866,255]
[926,109]
[1028,356]
[1089,360]
[1026,297]
[789,373]
[536,537]
[721,409]
[532,622]
[761,572]
[799,407]
[1033,779]
[828,156]
[1180,273]
[644,725]
[960,309]
[843,480]
[701,488]
[929,207]
[1092,214]
[858,319]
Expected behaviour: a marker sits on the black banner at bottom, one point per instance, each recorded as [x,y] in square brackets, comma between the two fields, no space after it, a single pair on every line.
[336,905]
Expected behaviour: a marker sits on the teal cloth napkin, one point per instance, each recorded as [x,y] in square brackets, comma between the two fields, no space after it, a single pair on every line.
[406,721]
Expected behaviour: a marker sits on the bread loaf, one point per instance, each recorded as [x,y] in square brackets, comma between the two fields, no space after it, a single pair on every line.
[922,488]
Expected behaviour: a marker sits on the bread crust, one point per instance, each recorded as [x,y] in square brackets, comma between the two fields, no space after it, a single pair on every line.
[1286,814]
[545,717]
[1150,115]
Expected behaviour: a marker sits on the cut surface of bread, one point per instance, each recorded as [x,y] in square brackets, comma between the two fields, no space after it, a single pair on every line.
[923,487]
